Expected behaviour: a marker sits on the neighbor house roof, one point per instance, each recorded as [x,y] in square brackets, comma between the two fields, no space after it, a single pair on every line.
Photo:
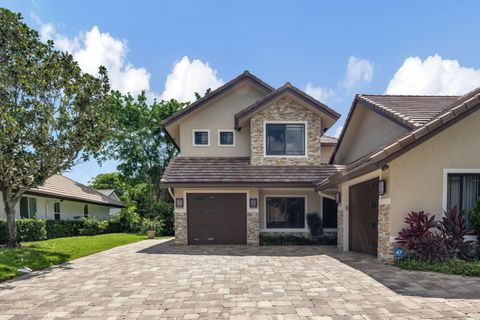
[221,171]
[106,192]
[280,91]
[60,187]
[409,112]
[200,102]
[456,111]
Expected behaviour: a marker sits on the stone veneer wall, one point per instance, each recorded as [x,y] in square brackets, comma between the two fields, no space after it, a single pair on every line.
[285,109]
[181,231]
[340,227]
[385,246]
[253,229]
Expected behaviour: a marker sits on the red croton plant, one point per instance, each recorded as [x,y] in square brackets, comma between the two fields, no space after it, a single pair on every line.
[430,240]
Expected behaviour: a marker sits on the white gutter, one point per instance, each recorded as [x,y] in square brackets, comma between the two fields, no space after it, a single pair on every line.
[171,193]
[325,195]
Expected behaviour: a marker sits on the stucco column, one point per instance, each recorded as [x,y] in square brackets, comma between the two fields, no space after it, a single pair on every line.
[253,228]
[181,235]
[385,246]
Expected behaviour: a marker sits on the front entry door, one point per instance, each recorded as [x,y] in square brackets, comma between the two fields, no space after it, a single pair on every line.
[363,217]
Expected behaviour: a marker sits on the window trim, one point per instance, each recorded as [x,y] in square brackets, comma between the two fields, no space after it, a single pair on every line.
[446,172]
[265,155]
[226,145]
[200,130]
[28,207]
[265,229]
[87,211]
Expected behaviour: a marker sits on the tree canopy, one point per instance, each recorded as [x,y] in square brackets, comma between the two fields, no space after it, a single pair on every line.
[52,115]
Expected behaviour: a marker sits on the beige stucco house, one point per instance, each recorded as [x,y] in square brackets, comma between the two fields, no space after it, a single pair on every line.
[61,198]
[403,154]
[249,156]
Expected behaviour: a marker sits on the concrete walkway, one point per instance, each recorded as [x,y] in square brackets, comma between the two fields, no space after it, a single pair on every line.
[152,280]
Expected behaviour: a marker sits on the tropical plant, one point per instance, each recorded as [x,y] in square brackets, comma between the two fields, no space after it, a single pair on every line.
[420,240]
[52,115]
[474,216]
[453,227]
[314,223]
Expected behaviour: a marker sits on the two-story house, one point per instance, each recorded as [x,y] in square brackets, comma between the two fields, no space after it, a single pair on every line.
[249,156]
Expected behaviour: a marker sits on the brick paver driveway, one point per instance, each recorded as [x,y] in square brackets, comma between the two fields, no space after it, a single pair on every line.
[151,280]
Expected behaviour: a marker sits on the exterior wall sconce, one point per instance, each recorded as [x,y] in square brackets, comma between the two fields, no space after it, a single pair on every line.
[382,187]
[253,202]
[338,197]
[179,202]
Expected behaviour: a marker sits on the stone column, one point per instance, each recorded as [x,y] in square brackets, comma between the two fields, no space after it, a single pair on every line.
[340,227]
[181,231]
[253,225]
[385,246]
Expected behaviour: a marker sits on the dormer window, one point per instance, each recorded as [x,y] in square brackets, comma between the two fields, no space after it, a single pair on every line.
[226,138]
[201,137]
[285,139]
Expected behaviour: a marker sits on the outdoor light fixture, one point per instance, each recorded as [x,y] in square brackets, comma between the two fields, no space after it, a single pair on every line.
[382,187]
[338,197]
[253,202]
[179,202]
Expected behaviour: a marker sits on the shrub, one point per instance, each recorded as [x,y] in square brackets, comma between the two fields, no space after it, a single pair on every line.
[164,211]
[454,229]
[315,225]
[91,227]
[3,232]
[419,239]
[63,228]
[127,220]
[31,230]
[451,266]
[474,216]
[294,240]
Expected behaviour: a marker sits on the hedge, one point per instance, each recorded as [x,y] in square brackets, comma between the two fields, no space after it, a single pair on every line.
[31,230]
[63,228]
[294,240]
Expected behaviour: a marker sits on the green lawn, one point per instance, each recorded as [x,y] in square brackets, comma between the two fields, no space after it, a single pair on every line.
[43,254]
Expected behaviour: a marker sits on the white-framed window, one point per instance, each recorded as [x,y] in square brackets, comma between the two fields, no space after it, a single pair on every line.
[56,210]
[285,212]
[85,211]
[461,189]
[28,207]
[226,138]
[285,138]
[201,137]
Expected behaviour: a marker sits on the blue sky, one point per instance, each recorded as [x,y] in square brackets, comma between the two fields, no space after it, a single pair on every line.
[335,49]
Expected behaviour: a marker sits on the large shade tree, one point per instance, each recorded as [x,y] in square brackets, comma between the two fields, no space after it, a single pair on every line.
[52,115]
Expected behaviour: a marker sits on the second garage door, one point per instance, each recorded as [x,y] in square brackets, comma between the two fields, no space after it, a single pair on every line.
[217,218]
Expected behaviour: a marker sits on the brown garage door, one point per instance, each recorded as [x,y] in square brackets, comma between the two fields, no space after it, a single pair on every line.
[217,218]
[363,217]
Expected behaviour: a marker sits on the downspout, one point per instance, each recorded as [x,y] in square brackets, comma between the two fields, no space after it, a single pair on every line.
[171,193]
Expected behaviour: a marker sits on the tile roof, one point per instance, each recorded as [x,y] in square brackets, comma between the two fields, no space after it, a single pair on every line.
[328,140]
[460,108]
[193,170]
[414,110]
[106,192]
[61,187]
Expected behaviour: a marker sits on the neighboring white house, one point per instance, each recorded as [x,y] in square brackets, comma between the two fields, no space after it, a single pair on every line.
[61,198]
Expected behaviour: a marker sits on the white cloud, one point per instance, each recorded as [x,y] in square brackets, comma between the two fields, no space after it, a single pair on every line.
[188,77]
[95,48]
[359,71]
[338,131]
[319,93]
[433,76]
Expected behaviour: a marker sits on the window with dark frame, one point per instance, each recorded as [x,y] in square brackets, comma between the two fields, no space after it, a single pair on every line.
[285,139]
[85,211]
[201,138]
[285,212]
[28,207]
[463,191]
[226,138]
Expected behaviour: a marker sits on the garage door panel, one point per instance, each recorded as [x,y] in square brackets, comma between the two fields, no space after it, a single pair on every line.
[216,218]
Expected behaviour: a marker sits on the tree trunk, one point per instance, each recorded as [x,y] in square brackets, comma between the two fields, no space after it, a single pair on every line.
[12,224]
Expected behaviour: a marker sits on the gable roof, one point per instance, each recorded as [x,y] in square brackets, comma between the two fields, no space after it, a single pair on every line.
[201,102]
[407,111]
[459,109]
[60,187]
[287,87]
[221,171]
[106,192]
